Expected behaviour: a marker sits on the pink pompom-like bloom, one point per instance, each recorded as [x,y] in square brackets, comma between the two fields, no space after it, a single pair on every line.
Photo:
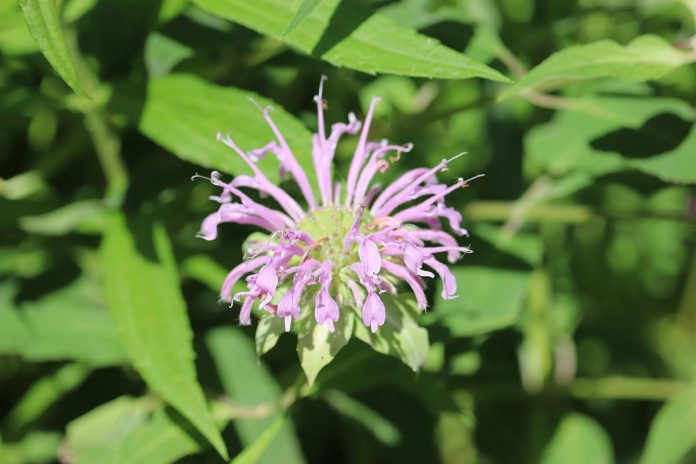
[354,241]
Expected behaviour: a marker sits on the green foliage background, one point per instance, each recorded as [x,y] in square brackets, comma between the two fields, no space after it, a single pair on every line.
[573,339]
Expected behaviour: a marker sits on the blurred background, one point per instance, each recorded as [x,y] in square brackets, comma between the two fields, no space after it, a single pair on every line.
[573,337]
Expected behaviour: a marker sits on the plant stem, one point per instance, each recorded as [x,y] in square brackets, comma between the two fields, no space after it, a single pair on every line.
[108,148]
[500,211]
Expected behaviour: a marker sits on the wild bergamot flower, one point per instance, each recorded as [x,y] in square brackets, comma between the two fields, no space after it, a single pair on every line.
[352,243]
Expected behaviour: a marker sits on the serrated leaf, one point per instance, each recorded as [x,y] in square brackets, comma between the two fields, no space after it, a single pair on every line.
[132,430]
[349,34]
[45,27]
[579,440]
[489,299]
[647,57]
[673,431]
[183,113]
[317,347]
[248,382]
[70,323]
[268,332]
[400,336]
[303,11]
[145,300]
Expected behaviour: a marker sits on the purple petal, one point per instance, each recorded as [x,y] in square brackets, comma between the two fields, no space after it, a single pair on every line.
[374,314]
[370,257]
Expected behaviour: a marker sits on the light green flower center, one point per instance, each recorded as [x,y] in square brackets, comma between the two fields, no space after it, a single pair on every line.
[328,228]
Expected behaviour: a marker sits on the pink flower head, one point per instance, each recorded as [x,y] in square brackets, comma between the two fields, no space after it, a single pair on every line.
[352,242]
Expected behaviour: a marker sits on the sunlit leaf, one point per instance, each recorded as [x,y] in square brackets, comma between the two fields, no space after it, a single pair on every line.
[132,430]
[184,113]
[144,297]
[647,57]
[44,25]
[564,145]
[489,299]
[678,165]
[350,35]
[303,11]
[673,431]
[317,347]
[268,332]
[579,440]
[14,35]
[400,336]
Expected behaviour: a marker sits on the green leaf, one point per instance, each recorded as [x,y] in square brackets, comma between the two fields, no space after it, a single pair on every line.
[252,454]
[268,331]
[44,26]
[142,289]
[382,429]
[132,430]
[400,336]
[306,7]
[68,324]
[43,394]
[647,57]
[579,440]
[184,113]
[36,447]
[81,216]
[205,270]
[317,347]
[678,165]
[564,145]
[248,382]
[163,53]
[489,299]
[673,431]
[348,34]
[14,35]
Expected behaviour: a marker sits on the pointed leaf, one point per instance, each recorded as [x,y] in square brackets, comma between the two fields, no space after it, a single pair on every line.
[400,336]
[317,347]
[579,440]
[673,431]
[144,297]
[349,34]
[67,324]
[251,454]
[184,113]
[303,11]
[44,26]
[248,382]
[268,332]
[647,57]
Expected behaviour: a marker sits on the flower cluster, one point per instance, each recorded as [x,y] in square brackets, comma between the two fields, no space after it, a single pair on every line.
[353,242]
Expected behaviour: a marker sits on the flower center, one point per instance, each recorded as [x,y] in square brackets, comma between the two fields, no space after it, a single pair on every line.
[328,228]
